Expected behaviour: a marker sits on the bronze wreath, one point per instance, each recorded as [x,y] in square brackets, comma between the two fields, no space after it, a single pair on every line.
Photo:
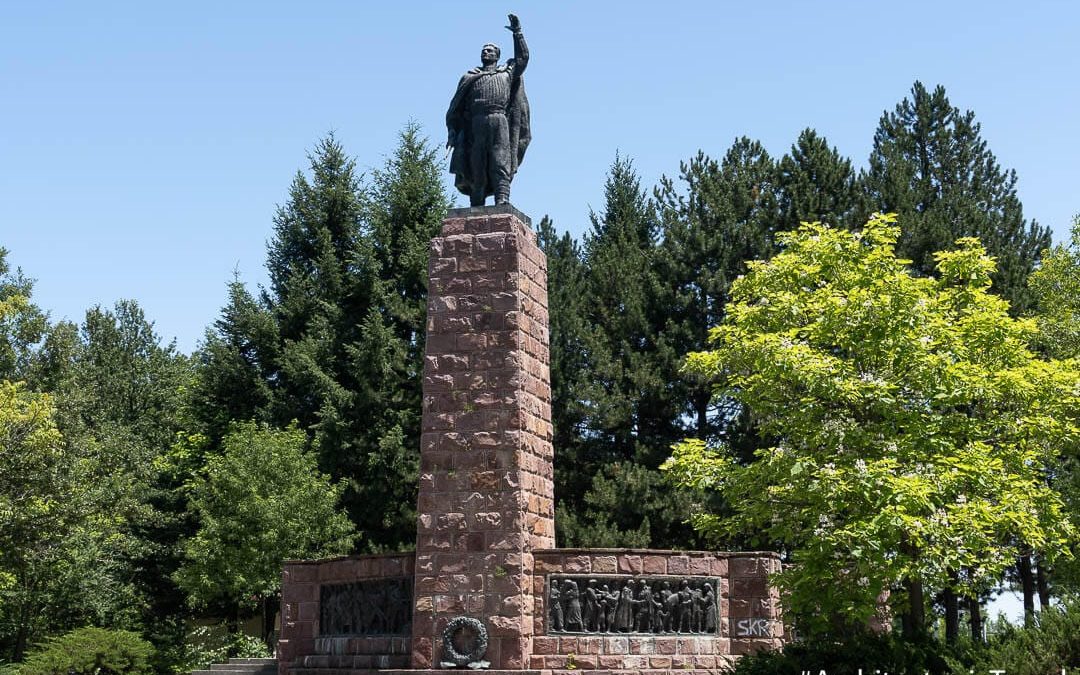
[479,647]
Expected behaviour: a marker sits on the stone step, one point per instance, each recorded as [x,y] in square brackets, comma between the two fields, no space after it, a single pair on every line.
[243,666]
[227,669]
[268,661]
[352,662]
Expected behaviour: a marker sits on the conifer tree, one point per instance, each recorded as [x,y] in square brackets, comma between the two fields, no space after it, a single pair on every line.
[725,216]
[568,329]
[622,400]
[815,183]
[931,166]
[336,342]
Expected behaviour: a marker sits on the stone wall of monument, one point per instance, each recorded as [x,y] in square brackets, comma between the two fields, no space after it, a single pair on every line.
[747,609]
[352,612]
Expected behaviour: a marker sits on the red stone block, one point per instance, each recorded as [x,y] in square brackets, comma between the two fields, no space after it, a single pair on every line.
[666,645]
[603,564]
[746,567]
[609,662]
[545,645]
[629,564]
[678,565]
[747,587]
[687,646]
[422,652]
[659,662]
[298,574]
[557,661]
[700,565]
[590,645]
[584,662]
[308,611]
[653,564]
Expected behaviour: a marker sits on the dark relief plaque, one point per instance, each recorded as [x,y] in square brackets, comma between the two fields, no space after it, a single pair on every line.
[642,605]
[371,607]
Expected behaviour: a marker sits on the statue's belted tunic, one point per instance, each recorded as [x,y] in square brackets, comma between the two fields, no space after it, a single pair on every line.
[488,126]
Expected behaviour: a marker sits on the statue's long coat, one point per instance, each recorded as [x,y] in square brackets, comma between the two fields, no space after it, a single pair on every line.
[459,126]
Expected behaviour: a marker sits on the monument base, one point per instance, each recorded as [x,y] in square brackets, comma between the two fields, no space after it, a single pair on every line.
[486,583]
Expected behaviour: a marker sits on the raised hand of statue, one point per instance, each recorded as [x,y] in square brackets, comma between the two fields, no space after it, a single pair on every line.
[515,24]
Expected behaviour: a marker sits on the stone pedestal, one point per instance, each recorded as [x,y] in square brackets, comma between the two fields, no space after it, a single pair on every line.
[486,491]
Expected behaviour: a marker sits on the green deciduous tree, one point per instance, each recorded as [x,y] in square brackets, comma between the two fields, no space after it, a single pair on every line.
[931,166]
[914,425]
[42,505]
[22,324]
[262,501]
[1056,290]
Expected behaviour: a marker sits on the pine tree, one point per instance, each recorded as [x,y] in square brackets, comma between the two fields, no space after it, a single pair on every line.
[725,218]
[816,184]
[569,363]
[336,342]
[622,400]
[406,204]
[932,167]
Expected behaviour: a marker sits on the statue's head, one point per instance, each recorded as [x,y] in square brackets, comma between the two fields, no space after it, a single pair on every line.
[490,54]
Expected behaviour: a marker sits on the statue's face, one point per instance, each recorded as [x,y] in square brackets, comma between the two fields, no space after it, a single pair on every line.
[489,54]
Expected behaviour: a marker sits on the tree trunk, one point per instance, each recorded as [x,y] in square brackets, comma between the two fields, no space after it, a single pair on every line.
[270,604]
[952,614]
[1027,584]
[914,620]
[975,614]
[1042,585]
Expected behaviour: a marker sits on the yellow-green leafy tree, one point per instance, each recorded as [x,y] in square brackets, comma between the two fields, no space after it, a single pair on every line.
[913,424]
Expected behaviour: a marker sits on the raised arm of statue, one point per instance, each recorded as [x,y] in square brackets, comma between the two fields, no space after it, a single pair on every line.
[521,50]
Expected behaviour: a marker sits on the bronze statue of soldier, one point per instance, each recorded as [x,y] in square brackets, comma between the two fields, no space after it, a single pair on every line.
[488,123]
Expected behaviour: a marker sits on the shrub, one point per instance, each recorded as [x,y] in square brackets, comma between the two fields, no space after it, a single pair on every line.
[1052,643]
[213,644]
[90,651]
[868,653]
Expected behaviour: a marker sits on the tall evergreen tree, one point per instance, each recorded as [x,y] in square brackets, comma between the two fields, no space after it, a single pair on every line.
[725,215]
[406,203]
[623,400]
[931,166]
[336,342]
[568,329]
[815,183]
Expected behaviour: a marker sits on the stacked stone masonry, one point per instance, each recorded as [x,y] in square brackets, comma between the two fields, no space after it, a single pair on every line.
[750,618]
[486,483]
[304,644]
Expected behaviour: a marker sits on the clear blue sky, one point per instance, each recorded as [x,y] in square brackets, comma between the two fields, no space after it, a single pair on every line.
[144,145]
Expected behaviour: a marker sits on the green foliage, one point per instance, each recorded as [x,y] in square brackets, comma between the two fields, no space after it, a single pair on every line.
[90,651]
[816,184]
[52,530]
[931,166]
[207,645]
[1049,645]
[261,502]
[914,426]
[612,373]
[725,218]
[22,324]
[337,341]
[1056,289]
[860,653]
